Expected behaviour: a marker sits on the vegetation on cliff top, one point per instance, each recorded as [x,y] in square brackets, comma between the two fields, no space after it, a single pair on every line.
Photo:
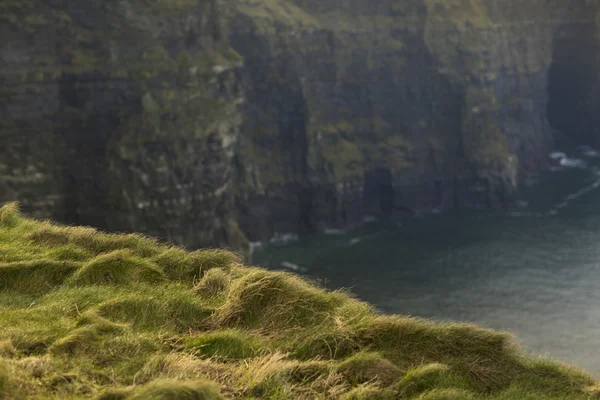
[85,314]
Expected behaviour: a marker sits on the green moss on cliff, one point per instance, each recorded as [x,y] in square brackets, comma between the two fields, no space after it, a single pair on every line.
[484,143]
[276,12]
[257,336]
[344,159]
[461,13]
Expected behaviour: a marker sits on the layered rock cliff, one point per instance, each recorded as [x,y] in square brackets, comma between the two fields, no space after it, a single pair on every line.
[121,114]
[191,119]
[377,108]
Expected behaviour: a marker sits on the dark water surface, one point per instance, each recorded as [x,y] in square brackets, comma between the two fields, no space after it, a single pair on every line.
[534,270]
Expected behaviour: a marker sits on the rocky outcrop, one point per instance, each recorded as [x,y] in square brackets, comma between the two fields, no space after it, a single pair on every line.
[122,115]
[205,121]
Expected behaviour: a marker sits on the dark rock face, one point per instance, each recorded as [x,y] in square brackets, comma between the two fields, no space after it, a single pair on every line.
[356,108]
[574,77]
[131,116]
[122,115]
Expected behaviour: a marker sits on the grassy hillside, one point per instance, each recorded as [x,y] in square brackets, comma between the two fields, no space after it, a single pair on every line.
[85,314]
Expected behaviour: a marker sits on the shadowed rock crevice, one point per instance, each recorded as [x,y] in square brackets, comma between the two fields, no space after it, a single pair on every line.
[573,79]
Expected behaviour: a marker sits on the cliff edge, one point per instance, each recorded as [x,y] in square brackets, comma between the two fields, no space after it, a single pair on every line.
[85,314]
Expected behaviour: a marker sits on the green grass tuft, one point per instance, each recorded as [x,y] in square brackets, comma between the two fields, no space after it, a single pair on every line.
[10,215]
[7,350]
[224,345]
[191,267]
[330,343]
[269,300]
[35,276]
[118,267]
[215,282]
[427,377]
[160,311]
[69,253]
[367,366]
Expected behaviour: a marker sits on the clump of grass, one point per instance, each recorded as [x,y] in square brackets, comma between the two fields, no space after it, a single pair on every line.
[178,365]
[118,267]
[427,377]
[224,345]
[179,312]
[32,330]
[486,357]
[7,349]
[35,276]
[435,340]
[191,267]
[93,241]
[69,252]
[177,390]
[311,371]
[215,283]
[10,215]
[269,376]
[330,343]
[369,366]
[85,337]
[276,300]
[551,377]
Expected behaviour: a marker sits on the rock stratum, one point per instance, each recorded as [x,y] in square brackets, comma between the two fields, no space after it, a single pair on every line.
[208,122]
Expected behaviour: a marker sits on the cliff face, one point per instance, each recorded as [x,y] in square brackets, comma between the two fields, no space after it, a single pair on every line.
[139,116]
[379,108]
[122,115]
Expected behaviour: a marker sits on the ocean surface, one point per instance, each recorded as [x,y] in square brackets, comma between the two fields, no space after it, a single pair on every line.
[533,270]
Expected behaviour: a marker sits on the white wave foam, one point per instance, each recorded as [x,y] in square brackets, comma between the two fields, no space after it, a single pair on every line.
[292,267]
[284,238]
[521,214]
[255,245]
[562,205]
[572,162]
[557,155]
[354,241]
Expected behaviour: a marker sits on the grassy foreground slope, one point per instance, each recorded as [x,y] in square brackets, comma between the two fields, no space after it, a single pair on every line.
[85,314]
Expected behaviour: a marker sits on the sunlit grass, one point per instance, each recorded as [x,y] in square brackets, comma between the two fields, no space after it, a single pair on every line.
[85,314]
